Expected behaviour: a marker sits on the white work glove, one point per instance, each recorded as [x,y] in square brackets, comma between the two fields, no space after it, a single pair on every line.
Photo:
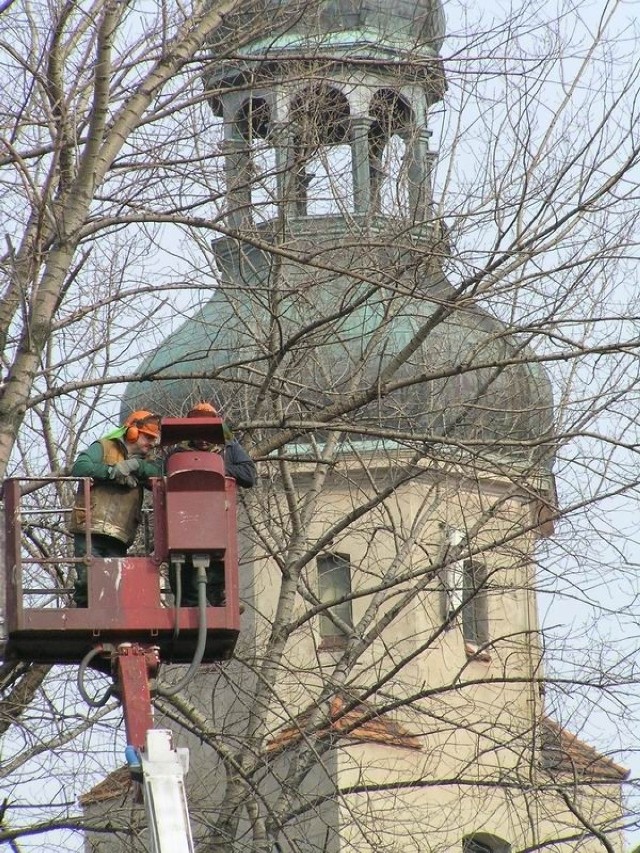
[122,472]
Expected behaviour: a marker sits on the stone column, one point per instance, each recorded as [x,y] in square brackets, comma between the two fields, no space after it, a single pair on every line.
[419,165]
[238,176]
[282,139]
[361,165]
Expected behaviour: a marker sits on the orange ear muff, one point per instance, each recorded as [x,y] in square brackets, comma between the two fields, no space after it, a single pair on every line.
[141,422]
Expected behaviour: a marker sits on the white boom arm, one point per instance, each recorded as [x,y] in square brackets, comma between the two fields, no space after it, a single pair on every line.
[165,798]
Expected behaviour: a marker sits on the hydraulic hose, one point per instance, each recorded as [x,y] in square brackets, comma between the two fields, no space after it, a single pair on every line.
[84,663]
[201,580]
[178,597]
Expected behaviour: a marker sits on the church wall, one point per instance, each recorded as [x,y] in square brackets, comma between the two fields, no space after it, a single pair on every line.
[379,545]
[436,812]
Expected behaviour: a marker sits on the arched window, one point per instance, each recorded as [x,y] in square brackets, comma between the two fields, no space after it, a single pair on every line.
[394,189]
[474,845]
[475,617]
[484,842]
[392,123]
[322,180]
[253,123]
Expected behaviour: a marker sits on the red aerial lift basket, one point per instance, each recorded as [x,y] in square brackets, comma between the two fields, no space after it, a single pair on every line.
[194,511]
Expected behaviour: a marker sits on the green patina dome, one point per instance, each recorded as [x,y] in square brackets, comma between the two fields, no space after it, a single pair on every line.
[375,27]
[468,383]
[419,20]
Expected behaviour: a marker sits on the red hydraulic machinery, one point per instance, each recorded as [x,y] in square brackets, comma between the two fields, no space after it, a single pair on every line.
[129,626]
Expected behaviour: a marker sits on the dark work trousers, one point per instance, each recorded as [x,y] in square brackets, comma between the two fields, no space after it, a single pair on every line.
[101,546]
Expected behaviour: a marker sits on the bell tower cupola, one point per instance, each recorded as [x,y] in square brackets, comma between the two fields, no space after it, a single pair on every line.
[327,113]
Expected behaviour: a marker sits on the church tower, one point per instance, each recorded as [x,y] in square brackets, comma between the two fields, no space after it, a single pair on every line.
[387,693]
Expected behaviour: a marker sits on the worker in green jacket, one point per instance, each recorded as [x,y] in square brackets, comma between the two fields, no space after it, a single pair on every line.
[119,465]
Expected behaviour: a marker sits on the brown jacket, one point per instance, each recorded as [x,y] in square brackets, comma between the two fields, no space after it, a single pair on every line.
[115,510]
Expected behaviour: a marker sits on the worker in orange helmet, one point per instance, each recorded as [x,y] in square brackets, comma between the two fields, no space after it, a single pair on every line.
[120,465]
[237,464]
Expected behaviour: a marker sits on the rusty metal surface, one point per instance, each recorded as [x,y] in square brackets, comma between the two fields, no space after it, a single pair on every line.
[134,666]
[176,430]
[125,604]
[126,600]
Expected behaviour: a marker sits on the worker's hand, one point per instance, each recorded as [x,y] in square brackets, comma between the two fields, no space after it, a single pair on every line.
[228,435]
[121,472]
[128,466]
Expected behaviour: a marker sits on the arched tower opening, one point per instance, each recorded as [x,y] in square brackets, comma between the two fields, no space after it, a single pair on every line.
[392,128]
[321,161]
[253,185]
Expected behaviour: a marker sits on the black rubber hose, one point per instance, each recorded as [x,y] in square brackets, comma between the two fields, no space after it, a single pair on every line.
[202,639]
[177,599]
[84,663]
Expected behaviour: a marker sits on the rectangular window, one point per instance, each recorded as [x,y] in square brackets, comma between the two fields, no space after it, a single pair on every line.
[465,599]
[334,583]
[474,603]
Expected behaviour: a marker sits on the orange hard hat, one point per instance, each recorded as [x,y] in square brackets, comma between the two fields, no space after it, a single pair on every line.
[202,410]
[143,421]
